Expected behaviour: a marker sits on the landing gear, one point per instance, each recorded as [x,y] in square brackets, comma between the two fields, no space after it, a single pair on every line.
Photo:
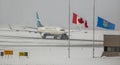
[44,36]
[55,37]
[64,37]
[61,36]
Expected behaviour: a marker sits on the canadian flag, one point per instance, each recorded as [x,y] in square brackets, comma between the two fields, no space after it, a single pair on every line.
[79,20]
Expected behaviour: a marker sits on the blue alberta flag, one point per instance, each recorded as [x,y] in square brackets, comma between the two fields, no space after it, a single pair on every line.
[105,24]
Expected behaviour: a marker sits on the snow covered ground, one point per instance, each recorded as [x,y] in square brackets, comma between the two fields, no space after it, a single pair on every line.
[55,52]
[58,56]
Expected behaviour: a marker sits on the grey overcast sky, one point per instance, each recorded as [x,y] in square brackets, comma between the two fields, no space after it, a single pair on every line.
[55,12]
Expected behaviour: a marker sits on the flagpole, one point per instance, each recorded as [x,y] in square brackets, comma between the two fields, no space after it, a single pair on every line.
[69,29]
[93,28]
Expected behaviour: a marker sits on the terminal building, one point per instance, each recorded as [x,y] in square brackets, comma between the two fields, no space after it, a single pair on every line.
[111,45]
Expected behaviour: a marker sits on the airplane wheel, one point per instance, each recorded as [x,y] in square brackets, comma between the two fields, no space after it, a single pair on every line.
[44,36]
[64,37]
[67,37]
[55,37]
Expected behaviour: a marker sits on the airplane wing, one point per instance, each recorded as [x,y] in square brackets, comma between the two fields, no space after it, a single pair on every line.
[23,29]
[28,27]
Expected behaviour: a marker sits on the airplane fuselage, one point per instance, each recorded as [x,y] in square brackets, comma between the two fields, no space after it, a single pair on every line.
[52,31]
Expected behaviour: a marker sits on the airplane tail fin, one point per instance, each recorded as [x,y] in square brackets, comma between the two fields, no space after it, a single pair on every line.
[38,21]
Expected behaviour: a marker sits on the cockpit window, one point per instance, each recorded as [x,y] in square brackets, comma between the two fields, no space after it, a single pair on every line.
[62,30]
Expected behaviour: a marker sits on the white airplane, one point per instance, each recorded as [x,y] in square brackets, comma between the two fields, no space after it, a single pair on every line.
[57,32]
